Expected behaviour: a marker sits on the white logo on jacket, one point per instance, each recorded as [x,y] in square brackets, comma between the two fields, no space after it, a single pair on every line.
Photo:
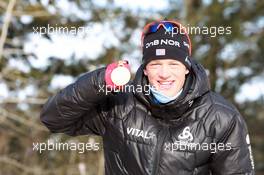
[186,135]
[140,133]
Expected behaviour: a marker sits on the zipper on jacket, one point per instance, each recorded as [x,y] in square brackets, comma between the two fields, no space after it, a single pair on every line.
[160,142]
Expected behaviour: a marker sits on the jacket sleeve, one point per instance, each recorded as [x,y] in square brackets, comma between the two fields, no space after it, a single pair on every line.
[236,158]
[80,108]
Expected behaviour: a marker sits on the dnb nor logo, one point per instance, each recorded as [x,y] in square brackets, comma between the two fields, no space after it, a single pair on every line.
[140,133]
[163,42]
[186,135]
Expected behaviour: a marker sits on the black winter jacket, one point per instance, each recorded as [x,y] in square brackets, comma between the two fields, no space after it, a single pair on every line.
[198,133]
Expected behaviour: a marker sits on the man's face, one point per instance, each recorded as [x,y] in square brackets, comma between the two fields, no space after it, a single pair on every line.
[166,75]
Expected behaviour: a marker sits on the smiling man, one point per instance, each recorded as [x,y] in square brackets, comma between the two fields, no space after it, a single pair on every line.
[166,77]
[181,127]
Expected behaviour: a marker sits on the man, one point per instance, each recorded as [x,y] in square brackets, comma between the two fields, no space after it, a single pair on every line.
[181,127]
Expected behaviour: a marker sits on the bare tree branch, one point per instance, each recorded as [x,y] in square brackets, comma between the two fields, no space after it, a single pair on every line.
[7,52]
[22,120]
[13,162]
[41,13]
[34,169]
[8,73]
[2,118]
[25,168]
[37,101]
[14,131]
[7,20]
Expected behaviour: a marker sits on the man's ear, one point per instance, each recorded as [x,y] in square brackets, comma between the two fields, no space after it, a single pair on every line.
[145,72]
[187,71]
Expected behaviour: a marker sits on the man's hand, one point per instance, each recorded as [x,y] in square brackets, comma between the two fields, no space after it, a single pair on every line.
[117,75]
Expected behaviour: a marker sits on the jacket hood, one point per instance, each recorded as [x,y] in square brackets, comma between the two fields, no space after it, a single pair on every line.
[196,84]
